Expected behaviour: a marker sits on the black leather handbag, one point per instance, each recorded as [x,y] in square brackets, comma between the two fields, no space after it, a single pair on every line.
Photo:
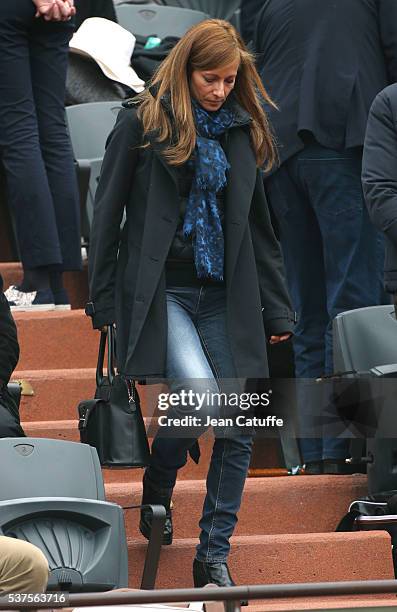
[112,422]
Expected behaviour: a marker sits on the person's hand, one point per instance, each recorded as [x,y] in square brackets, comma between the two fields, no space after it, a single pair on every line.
[280,338]
[104,328]
[55,10]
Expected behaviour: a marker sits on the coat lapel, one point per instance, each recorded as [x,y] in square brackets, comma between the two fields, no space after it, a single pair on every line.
[158,149]
[239,192]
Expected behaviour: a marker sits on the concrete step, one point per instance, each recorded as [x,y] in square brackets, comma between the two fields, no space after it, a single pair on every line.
[76,283]
[57,393]
[68,430]
[279,559]
[56,340]
[301,504]
[367,603]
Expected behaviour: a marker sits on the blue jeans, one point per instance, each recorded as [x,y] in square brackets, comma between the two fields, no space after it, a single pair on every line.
[334,261]
[198,358]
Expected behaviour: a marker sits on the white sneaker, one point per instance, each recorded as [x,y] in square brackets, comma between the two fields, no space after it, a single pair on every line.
[33,301]
[12,293]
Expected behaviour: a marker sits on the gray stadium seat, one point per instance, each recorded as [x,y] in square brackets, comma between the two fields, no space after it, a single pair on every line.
[365,340]
[52,495]
[154,20]
[89,126]
[220,9]
[362,338]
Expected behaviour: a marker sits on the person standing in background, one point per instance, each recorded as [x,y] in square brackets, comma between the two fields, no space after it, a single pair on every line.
[323,63]
[36,150]
[94,8]
[379,176]
[249,11]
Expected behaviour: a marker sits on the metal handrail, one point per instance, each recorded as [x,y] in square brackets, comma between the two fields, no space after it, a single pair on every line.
[357,587]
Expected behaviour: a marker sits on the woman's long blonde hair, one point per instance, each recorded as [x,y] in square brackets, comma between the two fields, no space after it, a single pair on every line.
[209,45]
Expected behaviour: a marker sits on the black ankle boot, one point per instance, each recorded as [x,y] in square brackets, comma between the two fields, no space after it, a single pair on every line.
[212,573]
[153,494]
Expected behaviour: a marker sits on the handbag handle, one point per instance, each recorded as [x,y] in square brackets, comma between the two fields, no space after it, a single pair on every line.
[109,338]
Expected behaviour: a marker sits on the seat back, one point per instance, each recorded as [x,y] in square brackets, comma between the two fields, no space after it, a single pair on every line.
[154,20]
[83,540]
[40,467]
[365,338]
[89,126]
[219,9]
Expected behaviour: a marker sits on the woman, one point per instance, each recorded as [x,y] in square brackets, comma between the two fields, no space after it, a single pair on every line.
[35,148]
[198,272]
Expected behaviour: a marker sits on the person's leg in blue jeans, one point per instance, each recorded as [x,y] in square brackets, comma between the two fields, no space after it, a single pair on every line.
[333,259]
[41,181]
[198,357]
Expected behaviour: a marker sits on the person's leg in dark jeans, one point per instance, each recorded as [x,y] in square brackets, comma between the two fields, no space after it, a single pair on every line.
[199,359]
[303,257]
[353,247]
[337,253]
[49,52]
[25,82]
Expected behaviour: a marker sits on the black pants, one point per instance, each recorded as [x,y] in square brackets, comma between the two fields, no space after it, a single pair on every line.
[34,143]
[10,426]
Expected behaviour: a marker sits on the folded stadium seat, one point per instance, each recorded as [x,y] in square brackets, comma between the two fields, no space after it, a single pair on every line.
[155,20]
[52,495]
[219,9]
[365,341]
[89,126]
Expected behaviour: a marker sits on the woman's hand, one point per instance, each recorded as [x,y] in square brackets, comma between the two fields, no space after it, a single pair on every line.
[55,10]
[104,328]
[280,338]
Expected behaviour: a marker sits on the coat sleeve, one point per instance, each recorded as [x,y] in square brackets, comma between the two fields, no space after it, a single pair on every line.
[112,194]
[9,348]
[278,316]
[388,33]
[379,175]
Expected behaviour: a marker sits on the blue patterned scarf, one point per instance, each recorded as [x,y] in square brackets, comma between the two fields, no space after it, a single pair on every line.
[202,220]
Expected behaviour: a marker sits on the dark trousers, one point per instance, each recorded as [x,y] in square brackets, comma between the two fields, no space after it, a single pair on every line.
[10,426]
[334,260]
[34,143]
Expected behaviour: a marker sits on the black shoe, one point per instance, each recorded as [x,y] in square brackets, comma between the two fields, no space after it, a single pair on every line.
[153,494]
[313,468]
[339,467]
[212,573]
